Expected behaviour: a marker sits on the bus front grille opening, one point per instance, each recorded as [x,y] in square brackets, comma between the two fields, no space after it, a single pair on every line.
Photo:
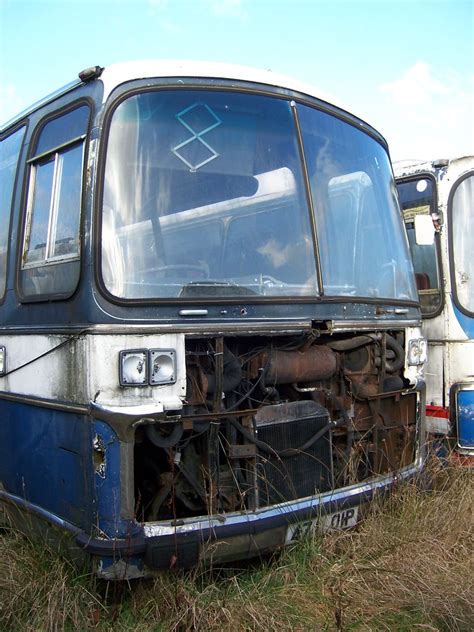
[269,420]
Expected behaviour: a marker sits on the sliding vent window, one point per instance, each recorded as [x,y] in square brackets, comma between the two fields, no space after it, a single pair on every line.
[51,251]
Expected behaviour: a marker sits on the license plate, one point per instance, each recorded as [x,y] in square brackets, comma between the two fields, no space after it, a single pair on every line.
[344,519]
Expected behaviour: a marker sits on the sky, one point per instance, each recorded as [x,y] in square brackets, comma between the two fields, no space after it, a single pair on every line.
[404,66]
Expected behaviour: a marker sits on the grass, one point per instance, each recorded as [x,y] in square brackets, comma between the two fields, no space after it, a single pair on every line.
[407,567]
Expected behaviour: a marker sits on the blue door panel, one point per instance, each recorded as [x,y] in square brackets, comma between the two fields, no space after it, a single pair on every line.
[47,460]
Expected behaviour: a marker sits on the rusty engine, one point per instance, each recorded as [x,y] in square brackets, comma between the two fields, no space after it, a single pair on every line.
[268,420]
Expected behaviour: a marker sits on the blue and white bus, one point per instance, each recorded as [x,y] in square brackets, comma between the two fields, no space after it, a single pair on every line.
[437,199]
[209,327]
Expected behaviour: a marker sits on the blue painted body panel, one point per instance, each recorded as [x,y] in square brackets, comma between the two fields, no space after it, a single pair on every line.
[465,417]
[108,486]
[465,321]
[47,460]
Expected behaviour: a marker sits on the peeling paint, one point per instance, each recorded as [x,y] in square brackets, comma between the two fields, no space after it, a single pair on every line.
[99,456]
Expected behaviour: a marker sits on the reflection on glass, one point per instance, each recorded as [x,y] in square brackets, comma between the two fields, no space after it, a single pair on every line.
[204,198]
[65,240]
[9,152]
[462,227]
[417,198]
[56,205]
[361,245]
[41,206]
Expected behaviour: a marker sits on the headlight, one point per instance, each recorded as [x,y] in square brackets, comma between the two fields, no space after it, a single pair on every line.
[162,366]
[417,351]
[143,367]
[3,354]
[134,367]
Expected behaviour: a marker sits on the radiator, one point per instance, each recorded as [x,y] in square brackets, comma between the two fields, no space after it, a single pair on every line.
[306,473]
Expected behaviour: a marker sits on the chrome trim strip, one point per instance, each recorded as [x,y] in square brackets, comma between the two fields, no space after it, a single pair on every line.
[350,325]
[193,312]
[265,326]
[126,413]
[45,403]
[16,501]
[250,327]
[56,149]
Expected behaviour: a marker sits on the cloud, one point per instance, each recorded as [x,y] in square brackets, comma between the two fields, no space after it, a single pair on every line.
[427,112]
[417,86]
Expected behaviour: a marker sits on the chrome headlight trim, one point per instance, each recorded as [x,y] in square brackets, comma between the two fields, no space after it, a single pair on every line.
[417,351]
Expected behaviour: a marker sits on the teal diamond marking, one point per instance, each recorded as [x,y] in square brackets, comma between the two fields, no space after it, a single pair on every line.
[202,111]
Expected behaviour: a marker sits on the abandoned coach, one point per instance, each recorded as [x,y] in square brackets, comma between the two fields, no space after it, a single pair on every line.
[209,325]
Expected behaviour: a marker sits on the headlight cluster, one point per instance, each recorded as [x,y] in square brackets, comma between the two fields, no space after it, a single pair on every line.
[143,367]
[417,351]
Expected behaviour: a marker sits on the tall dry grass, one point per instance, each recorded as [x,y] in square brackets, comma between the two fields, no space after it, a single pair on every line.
[408,566]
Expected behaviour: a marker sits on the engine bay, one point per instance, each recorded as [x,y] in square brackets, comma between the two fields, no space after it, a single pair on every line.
[271,419]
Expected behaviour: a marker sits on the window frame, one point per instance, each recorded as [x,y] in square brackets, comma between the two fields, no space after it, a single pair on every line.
[53,214]
[437,238]
[452,264]
[135,87]
[27,200]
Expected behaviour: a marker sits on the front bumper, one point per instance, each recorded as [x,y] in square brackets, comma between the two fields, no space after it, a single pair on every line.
[220,539]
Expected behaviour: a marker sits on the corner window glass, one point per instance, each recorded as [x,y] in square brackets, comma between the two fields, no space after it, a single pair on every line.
[462,230]
[362,244]
[9,153]
[51,245]
[204,198]
[417,197]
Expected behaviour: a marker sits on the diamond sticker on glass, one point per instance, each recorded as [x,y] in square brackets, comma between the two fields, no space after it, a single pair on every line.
[195,152]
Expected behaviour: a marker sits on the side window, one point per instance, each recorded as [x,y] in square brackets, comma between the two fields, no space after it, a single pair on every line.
[417,197]
[9,153]
[462,243]
[51,248]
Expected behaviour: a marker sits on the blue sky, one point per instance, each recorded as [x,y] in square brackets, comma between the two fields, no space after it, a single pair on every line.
[406,66]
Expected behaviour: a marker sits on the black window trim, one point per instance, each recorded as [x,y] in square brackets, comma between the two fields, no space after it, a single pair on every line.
[85,138]
[13,130]
[437,239]
[126,90]
[452,265]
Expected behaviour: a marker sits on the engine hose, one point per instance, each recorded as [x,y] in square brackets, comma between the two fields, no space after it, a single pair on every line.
[282,453]
[352,343]
[361,341]
[165,442]
[399,361]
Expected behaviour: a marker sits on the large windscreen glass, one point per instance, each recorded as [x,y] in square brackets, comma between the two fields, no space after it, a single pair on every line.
[417,197]
[205,198]
[362,249]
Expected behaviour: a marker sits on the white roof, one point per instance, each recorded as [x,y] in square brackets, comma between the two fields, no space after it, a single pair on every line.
[458,164]
[116,74]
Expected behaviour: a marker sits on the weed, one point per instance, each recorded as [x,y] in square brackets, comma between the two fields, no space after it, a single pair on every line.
[406,567]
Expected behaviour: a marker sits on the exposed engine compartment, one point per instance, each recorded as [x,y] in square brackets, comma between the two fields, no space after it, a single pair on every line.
[271,419]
